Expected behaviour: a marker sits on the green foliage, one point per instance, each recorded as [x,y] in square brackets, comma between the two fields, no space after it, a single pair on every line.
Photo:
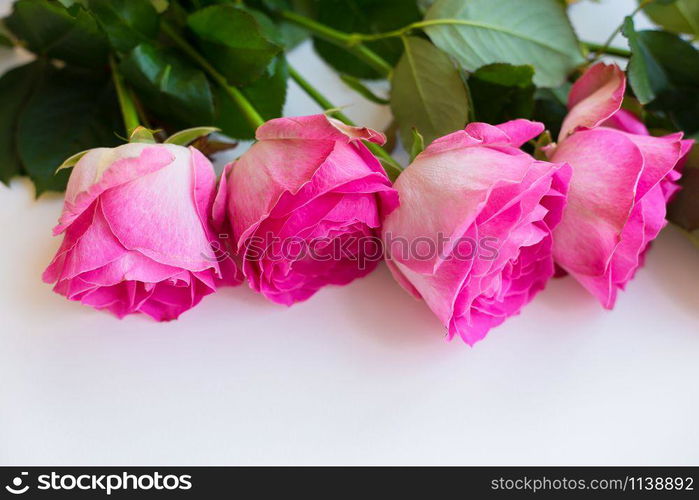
[169,85]
[427,92]
[678,16]
[664,74]
[481,32]
[684,209]
[363,16]
[127,23]
[502,92]
[48,28]
[267,95]
[66,111]
[240,43]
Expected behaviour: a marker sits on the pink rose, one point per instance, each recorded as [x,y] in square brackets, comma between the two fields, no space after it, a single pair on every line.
[472,235]
[137,234]
[622,180]
[305,205]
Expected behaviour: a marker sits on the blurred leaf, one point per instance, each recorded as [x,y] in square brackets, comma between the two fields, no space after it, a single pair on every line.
[50,29]
[126,22]
[240,43]
[71,110]
[678,16]
[267,95]
[5,41]
[550,107]
[16,86]
[169,86]
[502,92]
[356,85]
[684,209]
[535,32]
[427,92]
[187,136]
[364,16]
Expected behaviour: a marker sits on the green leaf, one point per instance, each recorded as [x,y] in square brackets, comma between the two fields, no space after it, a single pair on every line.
[238,42]
[481,32]
[16,87]
[169,86]
[646,77]
[126,22]
[71,110]
[356,85]
[47,28]
[502,92]
[364,16]
[664,74]
[679,16]
[5,41]
[684,209]
[427,92]
[418,145]
[267,95]
[185,137]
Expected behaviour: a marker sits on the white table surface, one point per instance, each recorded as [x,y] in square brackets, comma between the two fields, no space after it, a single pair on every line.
[356,375]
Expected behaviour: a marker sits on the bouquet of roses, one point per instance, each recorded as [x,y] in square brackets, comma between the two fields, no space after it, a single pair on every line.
[529,158]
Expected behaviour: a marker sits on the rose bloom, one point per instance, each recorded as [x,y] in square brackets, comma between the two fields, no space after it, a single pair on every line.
[137,231]
[472,235]
[622,181]
[305,205]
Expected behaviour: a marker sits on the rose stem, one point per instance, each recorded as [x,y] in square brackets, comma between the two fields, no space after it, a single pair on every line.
[126,103]
[251,114]
[612,51]
[393,168]
[349,42]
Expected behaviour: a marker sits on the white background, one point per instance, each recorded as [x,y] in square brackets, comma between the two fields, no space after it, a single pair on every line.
[356,375]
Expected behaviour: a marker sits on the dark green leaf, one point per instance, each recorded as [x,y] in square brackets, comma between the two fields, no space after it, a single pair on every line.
[427,92]
[364,16]
[126,22]
[240,43]
[664,74]
[502,92]
[684,209]
[550,107]
[71,110]
[267,95]
[49,29]
[646,77]
[5,41]
[169,86]
[356,85]
[15,88]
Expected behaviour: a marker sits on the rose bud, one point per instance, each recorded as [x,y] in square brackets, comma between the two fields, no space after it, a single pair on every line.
[622,180]
[472,235]
[137,231]
[305,204]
